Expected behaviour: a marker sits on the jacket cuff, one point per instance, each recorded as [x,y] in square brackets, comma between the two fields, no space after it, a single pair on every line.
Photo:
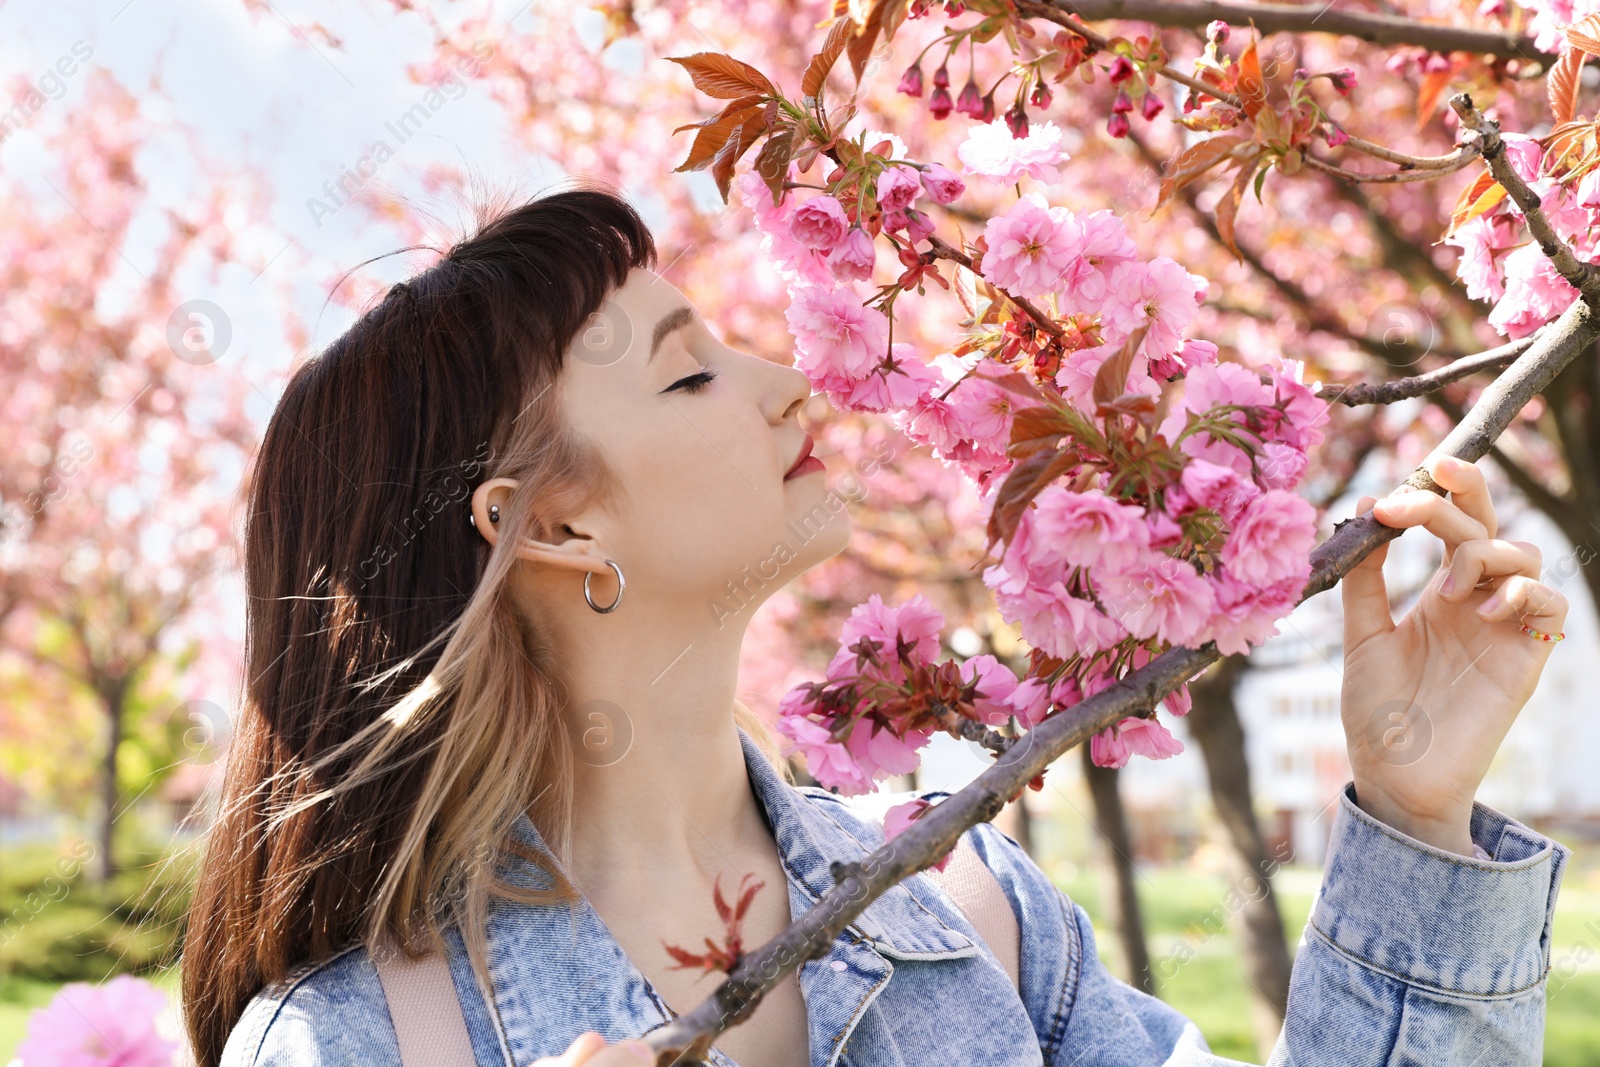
[1431,918]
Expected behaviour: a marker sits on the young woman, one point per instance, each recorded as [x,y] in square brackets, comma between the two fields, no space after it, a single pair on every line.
[491,712]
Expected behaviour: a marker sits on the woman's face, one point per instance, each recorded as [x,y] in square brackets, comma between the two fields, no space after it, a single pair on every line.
[701,437]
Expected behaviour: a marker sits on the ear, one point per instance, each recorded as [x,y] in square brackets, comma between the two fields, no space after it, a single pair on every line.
[576,552]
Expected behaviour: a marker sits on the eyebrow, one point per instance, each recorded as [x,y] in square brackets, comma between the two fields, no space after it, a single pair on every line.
[672,320]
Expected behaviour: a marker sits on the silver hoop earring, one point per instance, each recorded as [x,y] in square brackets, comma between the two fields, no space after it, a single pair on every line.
[621,585]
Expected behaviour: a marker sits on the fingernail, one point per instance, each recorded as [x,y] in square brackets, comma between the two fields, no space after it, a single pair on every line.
[638,1048]
[1489,606]
[1449,583]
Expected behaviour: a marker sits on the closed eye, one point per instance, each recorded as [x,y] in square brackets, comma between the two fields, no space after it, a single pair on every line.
[694,382]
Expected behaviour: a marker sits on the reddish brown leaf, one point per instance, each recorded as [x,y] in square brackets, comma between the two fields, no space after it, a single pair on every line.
[1250,86]
[1020,384]
[715,131]
[1434,83]
[894,13]
[1026,480]
[772,162]
[723,76]
[1227,209]
[1196,160]
[843,29]
[1482,195]
[1585,35]
[860,45]
[1563,83]
[738,143]
[1111,379]
[1033,429]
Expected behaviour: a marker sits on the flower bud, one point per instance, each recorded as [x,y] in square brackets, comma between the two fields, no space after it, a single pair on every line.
[1041,95]
[1017,120]
[970,102]
[1152,105]
[1336,136]
[1121,70]
[941,77]
[911,81]
[943,186]
[1217,32]
[1122,104]
[939,104]
[1117,124]
[1344,80]
[987,114]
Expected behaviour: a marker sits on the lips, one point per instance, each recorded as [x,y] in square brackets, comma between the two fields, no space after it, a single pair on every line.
[805,454]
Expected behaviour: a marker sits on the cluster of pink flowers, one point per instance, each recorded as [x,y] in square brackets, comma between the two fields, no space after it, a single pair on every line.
[1099,575]
[1499,263]
[867,720]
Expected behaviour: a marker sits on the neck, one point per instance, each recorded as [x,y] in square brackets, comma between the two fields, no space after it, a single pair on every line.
[661,781]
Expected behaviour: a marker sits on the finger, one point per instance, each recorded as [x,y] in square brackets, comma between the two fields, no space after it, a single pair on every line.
[1364,594]
[1432,512]
[1528,600]
[1487,558]
[1468,490]
[582,1050]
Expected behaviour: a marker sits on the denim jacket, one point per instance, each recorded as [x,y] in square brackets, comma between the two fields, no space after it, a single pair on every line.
[1412,956]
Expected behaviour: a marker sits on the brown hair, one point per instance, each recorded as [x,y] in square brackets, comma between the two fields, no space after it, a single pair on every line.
[398,714]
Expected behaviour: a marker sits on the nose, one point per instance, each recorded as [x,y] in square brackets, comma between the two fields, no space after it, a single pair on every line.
[789,391]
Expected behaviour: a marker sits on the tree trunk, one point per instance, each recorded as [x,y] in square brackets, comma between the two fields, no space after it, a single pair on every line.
[1214,723]
[1121,896]
[113,698]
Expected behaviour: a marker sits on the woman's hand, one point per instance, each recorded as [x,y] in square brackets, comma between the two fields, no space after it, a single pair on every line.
[590,1050]
[1427,702]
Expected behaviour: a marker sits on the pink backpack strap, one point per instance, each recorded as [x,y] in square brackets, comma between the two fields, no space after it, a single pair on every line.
[968,882]
[424,1008]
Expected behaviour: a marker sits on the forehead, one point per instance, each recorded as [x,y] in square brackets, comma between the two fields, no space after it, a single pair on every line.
[622,330]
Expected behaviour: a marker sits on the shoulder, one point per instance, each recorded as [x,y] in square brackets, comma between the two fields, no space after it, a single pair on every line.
[323,1014]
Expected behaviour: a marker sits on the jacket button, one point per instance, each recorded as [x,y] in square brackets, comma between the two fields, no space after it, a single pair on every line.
[838,965]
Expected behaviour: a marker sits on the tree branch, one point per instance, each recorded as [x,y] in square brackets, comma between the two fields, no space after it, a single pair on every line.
[1314,18]
[933,835]
[1582,276]
[1420,384]
[944,250]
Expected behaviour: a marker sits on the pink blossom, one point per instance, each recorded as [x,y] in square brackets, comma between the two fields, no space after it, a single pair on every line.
[1192,354]
[819,223]
[1248,614]
[1221,489]
[828,761]
[110,1025]
[1051,619]
[835,334]
[1079,370]
[1030,702]
[916,623]
[1113,746]
[1272,539]
[898,819]
[1280,465]
[942,184]
[996,685]
[1535,293]
[1483,241]
[990,150]
[897,187]
[1305,411]
[1160,597]
[880,753]
[1164,531]
[1029,247]
[983,411]
[1524,155]
[897,383]
[854,257]
[1103,244]
[1161,293]
[1089,529]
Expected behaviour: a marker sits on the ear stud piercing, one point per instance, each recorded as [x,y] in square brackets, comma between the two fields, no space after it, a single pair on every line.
[494,515]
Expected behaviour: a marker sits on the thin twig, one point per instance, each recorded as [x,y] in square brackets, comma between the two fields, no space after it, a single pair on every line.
[1316,18]
[944,250]
[1486,131]
[1458,160]
[1421,384]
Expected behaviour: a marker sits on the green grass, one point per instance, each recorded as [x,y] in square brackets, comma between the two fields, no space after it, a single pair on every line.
[1204,973]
